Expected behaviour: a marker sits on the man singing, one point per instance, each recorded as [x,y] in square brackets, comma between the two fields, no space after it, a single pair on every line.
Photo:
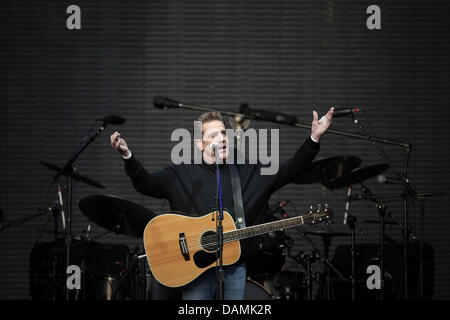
[192,188]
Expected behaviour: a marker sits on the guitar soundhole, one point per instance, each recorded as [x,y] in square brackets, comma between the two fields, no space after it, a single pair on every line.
[209,241]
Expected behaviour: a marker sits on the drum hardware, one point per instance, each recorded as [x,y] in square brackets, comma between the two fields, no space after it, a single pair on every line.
[255,291]
[357,176]
[76,176]
[69,171]
[121,216]
[328,169]
[100,268]
[383,212]
[326,236]
[54,209]
[284,285]
[136,276]
[307,260]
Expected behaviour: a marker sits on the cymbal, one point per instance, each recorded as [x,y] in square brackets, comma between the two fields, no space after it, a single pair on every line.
[76,176]
[116,214]
[378,222]
[359,175]
[323,170]
[327,233]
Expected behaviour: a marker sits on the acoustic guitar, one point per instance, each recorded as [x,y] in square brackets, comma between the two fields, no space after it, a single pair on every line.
[180,248]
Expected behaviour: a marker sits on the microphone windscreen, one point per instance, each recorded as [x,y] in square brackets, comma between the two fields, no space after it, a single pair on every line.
[114,119]
[158,102]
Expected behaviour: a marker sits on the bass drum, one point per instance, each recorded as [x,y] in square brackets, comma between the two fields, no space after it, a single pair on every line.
[255,291]
[269,257]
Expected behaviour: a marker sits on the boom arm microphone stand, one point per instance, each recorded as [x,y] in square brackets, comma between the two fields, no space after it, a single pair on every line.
[68,171]
[249,113]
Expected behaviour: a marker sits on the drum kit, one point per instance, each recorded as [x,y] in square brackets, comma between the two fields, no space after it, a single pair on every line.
[116,272]
[290,283]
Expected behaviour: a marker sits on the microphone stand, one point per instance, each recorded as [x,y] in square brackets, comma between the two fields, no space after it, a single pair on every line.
[68,171]
[170,104]
[219,231]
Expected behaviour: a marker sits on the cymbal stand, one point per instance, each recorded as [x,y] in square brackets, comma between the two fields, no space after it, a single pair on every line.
[135,277]
[382,209]
[382,212]
[309,259]
[351,220]
[55,212]
[68,171]
[306,261]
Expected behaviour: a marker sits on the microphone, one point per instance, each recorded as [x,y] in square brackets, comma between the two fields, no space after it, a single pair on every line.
[347,203]
[161,102]
[62,206]
[267,115]
[113,119]
[342,112]
[214,146]
[383,179]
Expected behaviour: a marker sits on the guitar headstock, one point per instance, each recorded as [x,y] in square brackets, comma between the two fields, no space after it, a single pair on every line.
[319,215]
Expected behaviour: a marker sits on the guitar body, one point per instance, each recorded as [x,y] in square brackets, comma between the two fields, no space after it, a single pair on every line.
[181,248]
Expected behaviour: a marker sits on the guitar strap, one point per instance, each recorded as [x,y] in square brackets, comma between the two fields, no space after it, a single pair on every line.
[237,197]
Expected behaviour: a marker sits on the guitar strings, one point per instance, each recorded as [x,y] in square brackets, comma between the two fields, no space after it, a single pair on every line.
[248,232]
[212,240]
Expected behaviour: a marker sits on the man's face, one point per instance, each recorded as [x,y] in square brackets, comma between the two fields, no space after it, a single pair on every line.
[214,131]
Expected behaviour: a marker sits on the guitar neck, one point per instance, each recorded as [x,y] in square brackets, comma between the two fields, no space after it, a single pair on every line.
[262,229]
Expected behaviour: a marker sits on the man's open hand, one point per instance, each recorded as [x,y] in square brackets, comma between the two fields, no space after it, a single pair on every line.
[319,127]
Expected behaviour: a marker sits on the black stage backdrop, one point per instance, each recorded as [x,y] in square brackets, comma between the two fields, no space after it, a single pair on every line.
[287,56]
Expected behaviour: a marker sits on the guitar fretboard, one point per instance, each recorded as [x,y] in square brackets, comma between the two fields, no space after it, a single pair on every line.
[263,228]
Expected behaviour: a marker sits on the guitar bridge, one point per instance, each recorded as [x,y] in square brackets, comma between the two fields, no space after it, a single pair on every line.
[183,247]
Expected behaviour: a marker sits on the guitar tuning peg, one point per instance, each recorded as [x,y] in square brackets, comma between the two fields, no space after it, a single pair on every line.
[319,207]
[311,209]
